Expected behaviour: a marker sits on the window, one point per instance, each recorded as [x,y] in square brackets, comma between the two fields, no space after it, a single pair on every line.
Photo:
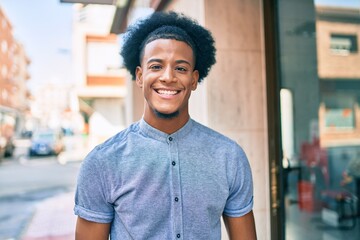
[3,24]
[340,112]
[4,46]
[4,71]
[343,44]
[340,118]
[102,58]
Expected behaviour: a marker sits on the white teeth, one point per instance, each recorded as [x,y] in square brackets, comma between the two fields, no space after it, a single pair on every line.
[167,92]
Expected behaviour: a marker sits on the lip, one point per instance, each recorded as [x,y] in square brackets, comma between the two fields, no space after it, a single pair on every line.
[167,92]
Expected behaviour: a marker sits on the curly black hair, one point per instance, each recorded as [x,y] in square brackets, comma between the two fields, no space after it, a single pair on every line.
[170,25]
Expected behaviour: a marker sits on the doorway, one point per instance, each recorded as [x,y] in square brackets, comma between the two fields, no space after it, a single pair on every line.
[318,90]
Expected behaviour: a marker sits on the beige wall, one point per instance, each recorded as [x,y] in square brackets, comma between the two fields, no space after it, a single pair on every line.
[236,90]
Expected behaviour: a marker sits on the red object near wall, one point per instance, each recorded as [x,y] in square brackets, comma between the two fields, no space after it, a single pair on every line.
[307,199]
[316,157]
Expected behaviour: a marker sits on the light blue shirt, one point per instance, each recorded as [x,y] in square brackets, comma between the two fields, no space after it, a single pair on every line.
[151,185]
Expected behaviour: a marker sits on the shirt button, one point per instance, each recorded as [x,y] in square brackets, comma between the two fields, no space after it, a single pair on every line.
[178,236]
[173,163]
[176,199]
[170,139]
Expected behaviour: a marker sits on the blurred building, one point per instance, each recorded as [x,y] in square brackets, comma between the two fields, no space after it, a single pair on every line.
[100,83]
[338,31]
[14,69]
[53,106]
[14,94]
[338,52]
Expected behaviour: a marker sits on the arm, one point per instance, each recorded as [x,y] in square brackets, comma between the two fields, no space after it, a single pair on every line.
[239,228]
[86,230]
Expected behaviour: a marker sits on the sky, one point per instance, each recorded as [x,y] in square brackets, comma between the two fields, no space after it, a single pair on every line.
[44,28]
[343,3]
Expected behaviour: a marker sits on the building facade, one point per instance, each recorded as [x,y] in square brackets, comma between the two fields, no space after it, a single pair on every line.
[14,94]
[99,81]
[14,68]
[339,75]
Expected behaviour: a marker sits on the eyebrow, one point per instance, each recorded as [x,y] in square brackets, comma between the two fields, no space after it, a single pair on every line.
[160,61]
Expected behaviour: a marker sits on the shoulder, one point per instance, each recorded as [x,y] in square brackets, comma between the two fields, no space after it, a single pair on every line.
[213,136]
[119,138]
[219,145]
[113,146]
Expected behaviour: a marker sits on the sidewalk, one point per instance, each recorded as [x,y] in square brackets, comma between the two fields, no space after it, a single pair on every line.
[53,219]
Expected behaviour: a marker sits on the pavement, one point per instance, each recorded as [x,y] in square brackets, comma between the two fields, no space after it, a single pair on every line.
[53,219]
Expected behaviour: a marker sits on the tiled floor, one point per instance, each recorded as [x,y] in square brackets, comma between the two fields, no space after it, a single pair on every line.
[54,219]
[302,225]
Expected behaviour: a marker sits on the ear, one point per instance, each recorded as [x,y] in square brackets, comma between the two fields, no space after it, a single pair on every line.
[195,78]
[138,74]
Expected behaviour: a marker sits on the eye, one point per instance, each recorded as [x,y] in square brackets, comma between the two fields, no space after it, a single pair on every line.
[155,67]
[181,69]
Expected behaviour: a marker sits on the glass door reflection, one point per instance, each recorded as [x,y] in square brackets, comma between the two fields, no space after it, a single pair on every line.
[320,117]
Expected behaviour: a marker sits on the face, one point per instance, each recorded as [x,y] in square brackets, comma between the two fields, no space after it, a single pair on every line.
[167,77]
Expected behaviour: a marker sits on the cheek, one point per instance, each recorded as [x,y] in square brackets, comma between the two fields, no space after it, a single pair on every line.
[147,90]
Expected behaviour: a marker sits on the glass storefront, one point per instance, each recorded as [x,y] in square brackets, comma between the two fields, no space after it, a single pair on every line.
[319,73]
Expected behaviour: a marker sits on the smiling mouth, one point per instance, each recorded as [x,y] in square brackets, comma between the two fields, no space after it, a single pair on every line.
[167,92]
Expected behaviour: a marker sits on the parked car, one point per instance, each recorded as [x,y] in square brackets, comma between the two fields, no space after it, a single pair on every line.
[2,147]
[26,134]
[46,142]
[7,146]
[7,131]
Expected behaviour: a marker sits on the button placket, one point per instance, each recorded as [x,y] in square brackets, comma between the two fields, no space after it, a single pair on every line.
[176,187]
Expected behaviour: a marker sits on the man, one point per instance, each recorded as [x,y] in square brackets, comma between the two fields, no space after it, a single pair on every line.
[166,176]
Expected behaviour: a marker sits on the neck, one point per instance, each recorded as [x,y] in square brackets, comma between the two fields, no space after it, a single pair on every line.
[167,125]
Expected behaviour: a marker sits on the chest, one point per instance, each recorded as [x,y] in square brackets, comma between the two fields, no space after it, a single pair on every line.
[161,173]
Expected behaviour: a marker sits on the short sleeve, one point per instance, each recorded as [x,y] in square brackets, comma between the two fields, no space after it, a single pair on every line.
[240,200]
[91,193]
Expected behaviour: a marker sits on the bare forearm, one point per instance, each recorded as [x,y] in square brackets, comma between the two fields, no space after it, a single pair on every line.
[241,228]
[86,230]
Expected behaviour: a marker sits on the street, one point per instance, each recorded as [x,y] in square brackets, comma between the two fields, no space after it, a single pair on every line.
[26,183]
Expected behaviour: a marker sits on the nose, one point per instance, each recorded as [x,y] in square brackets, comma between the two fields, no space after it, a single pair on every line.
[167,75]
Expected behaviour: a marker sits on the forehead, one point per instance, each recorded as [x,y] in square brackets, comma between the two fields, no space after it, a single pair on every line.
[167,47]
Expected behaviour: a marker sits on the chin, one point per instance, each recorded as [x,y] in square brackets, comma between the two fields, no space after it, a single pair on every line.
[166,115]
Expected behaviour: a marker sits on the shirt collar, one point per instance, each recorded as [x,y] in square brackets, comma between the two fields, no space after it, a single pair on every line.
[152,132]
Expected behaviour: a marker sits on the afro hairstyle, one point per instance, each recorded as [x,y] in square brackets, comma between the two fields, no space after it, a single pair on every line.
[171,25]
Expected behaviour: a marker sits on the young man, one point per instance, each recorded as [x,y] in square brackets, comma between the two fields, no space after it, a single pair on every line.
[166,176]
